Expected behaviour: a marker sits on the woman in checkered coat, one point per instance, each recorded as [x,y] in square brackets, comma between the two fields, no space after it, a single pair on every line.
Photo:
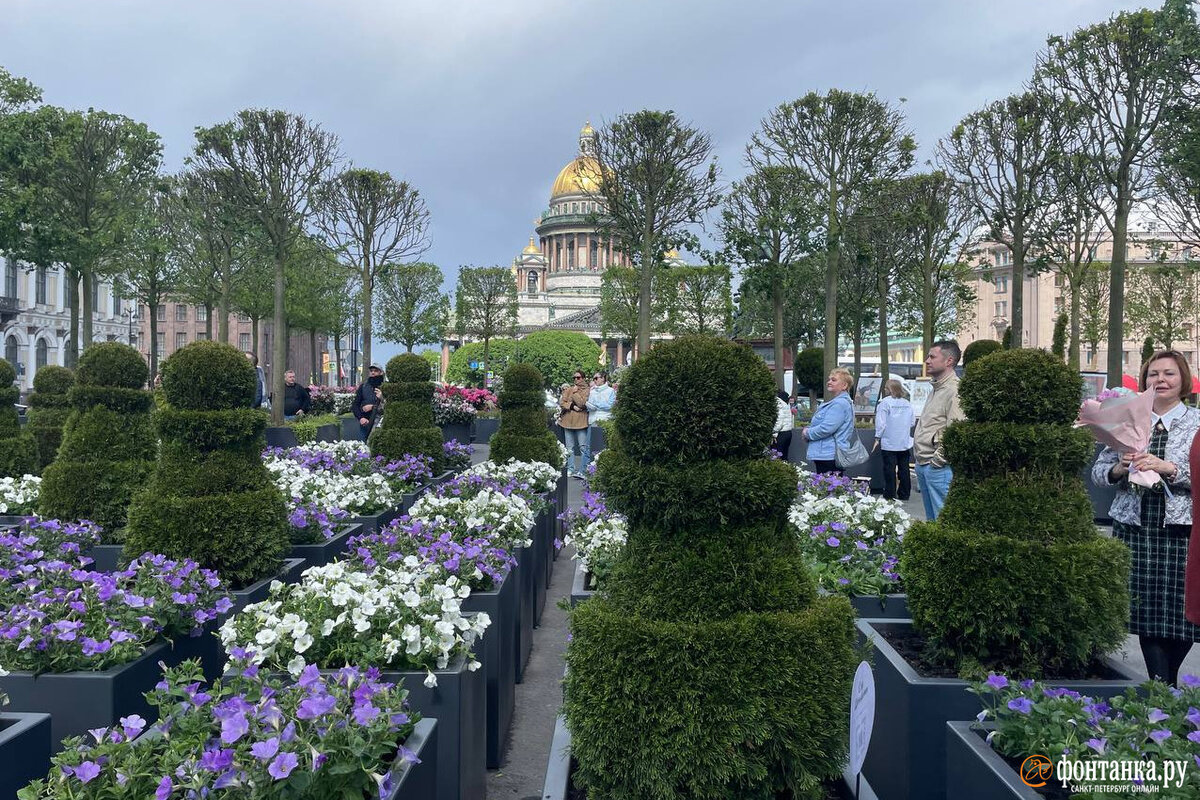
[1156,522]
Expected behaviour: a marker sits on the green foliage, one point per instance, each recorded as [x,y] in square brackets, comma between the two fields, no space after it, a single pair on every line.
[557,354]
[408,426]
[305,427]
[1021,386]
[18,450]
[1058,345]
[408,368]
[459,371]
[523,435]
[980,348]
[7,373]
[1024,505]
[809,370]
[112,364]
[46,425]
[1006,341]
[485,302]
[728,411]
[52,381]
[1147,349]
[984,449]
[411,307]
[207,376]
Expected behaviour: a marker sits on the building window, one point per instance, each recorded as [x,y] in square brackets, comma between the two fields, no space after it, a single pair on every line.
[531,282]
[1125,357]
[1187,330]
[95,295]
[116,303]
[1058,305]
[1088,355]
[181,313]
[10,279]
[1002,308]
[1002,284]
[201,314]
[180,339]
[1059,280]
[162,313]
[244,342]
[244,319]
[41,352]
[160,343]
[10,352]
[41,285]
[202,336]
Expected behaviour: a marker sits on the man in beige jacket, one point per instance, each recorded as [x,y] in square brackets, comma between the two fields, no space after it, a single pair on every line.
[933,473]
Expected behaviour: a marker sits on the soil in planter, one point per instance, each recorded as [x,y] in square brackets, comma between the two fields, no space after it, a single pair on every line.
[834,790]
[914,648]
[1053,790]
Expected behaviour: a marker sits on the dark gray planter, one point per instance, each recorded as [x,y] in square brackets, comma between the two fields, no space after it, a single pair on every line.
[289,572]
[1101,496]
[908,746]
[321,553]
[351,430]
[458,431]
[438,480]
[597,439]
[498,654]
[106,557]
[537,564]
[281,437]
[524,604]
[79,701]
[418,781]
[974,770]
[579,585]
[11,520]
[890,606]
[484,428]
[328,433]
[373,523]
[558,769]
[24,751]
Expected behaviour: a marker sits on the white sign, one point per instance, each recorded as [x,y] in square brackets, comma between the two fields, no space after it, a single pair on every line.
[862,715]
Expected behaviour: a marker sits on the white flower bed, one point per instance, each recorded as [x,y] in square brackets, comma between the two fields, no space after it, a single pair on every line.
[358,494]
[529,476]
[874,516]
[506,517]
[599,540]
[19,496]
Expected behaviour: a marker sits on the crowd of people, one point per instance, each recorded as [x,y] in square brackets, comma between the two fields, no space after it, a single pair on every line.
[583,406]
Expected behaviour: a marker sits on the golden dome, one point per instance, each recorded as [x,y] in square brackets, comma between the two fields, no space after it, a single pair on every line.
[532,249]
[671,255]
[581,176]
[588,130]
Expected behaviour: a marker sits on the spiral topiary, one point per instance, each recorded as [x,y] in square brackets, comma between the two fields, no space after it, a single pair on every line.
[108,443]
[1014,576]
[408,427]
[210,497]
[18,450]
[762,662]
[523,433]
[49,407]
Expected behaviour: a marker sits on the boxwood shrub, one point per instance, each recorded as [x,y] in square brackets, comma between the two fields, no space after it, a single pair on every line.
[49,407]
[408,426]
[210,497]
[709,667]
[108,443]
[1014,577]
[18,450]
[980,348]
[524,433]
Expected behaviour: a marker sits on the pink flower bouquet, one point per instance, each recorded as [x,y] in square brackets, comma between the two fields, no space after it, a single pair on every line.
[1120,419]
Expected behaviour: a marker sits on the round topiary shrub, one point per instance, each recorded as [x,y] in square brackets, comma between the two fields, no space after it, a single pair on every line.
[108,443]
[210,497]
[980,348]
[18,450]
[762,661]
[523,433]
[1014,577]
[408,427]
[49,407]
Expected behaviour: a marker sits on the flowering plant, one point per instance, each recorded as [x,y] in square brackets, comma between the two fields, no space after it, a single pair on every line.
[394,618]
[452,409]
[487,511]
[24,547]
[60,617]
[474,557]
[344,475]
[458,455]
[533,481]
[1154,721]
[19,496]
[310,523]
[322,399]
[246,736]
[479,399]
[597,533]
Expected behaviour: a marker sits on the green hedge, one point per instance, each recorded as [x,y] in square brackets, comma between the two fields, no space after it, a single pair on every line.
[523,433]
[49,407]
[408,368]
[213,376]
[305,427]
[112,364]
[557,354]
[1021,386]
[18,450]
[511,398]
[408,427]
[52,382]
[980,348]
[1022,505]
[980,449]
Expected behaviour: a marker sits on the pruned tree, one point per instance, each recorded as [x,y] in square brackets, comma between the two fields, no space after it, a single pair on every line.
[620,303]
[373,221]
[271,165]
[654,177]
[412,309]
[841,142]
[700,300]
[1126,75]
[1093,307]
[151,269]
[1162,300]
[858,284]
[1177,185]
[485,306]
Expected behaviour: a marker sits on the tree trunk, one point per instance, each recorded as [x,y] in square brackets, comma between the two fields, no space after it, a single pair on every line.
[72,287]
[831,318]
[254,340]
[208,320]
[645,296]
[777,317]
[279,348]
[486,360]
[367,289]
[927,309]
[858,339]
[153,341]
[337,357]
[316,362]
[1116,292]
[88,311]
[884,365]
[1073,349]
[223,311]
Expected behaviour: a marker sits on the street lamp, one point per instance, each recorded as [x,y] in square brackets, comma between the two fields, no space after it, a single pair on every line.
[132,313]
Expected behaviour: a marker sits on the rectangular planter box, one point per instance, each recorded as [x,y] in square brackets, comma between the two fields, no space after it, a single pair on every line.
[498,654]
[561,503]
[24,751]
[484,428]
[549,523]
[282,436]
[328,433]
[890,606]
[321,553]
[289,572]
[974,770]
[524,605]
[537,565]
[418,781]
[558,769]
[459,433]
[908,746]
[579,590]
[79,701]
[351,430]
[106,557]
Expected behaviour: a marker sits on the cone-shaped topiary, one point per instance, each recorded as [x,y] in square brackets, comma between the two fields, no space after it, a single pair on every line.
[49,407]
[18,451]
[408,427]
[709,668]
[1014,576]
[108,445]
[211,498]
[523,433]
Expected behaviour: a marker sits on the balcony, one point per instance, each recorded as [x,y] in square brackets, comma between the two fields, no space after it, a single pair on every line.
[10,307]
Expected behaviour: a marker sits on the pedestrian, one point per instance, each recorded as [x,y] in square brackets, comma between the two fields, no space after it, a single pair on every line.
[574,422]
[785,423]
[600,402]
[1156,522]
[260,380]
[893,434]
[833,424]
[297,400]
[368,400]
[933,473]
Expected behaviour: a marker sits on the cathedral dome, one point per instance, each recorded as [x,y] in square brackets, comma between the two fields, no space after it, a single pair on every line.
[581,176]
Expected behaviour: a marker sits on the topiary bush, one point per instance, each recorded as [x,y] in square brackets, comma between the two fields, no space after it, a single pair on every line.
[685,680]
[408,426]
[523,433]
[557,354]
[49,407]
[18,450]
[108,442]
[210,498]
[980,348]
[1014,577]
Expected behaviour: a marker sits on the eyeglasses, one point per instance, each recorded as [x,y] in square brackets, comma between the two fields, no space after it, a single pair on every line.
[595,377]
[578,377]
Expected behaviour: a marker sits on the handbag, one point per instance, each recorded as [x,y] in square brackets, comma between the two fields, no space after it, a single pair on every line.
[851,455]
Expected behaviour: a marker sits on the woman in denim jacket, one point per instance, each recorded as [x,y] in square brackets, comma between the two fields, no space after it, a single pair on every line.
[828,427]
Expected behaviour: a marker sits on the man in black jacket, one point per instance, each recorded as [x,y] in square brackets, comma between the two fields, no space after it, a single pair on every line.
[296,398]
[368,400]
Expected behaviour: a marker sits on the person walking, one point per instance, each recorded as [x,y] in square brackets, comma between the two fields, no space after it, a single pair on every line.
[600,402]
[1156,522]
[574,422]
[833,424]
[297,400]
[785,423]
[368,400]
[893,433]
[941,409]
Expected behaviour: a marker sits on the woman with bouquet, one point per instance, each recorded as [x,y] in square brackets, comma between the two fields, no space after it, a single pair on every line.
[1155,520]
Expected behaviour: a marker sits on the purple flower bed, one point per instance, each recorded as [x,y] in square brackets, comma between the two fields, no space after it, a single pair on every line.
[310,523]
[470,553]
[458,455]
[355,461]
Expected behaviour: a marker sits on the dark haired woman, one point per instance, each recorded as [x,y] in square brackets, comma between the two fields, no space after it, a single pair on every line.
[785,423]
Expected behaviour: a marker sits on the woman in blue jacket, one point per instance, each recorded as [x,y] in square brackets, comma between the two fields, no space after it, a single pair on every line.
[831,422]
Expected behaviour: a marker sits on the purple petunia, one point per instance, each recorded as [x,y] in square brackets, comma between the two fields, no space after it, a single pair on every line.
[1021,705]
[996,682]
[283,765]
[87,771]
[265,751]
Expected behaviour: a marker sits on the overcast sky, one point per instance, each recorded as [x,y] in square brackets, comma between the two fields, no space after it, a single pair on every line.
[480,104]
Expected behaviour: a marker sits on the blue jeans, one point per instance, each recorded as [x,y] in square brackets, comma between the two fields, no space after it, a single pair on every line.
[933,482]
[581,438]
